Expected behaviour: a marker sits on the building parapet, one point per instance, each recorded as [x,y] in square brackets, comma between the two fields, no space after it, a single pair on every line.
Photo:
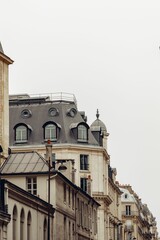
[45,97]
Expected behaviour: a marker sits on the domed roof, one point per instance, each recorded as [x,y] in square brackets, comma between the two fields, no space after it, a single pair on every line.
[99,123]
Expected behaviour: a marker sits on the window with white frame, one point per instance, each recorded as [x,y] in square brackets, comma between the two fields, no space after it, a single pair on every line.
[21,133]
[50,132]
[82,133]
[32,185]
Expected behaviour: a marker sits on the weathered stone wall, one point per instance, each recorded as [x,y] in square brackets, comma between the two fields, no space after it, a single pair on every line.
[4,107]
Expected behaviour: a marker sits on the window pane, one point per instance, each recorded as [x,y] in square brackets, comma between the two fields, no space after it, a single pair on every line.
[84,162]
[84,184]
[32,185]
[50,132]
[21,133]
[82,133]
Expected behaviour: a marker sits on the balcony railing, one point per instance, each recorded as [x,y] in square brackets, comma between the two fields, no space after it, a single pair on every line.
[131,213]
[54,97]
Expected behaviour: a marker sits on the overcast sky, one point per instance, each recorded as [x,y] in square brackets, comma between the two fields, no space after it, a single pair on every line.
[107,54]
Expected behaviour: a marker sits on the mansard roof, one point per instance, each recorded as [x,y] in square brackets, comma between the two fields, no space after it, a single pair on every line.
[42,109]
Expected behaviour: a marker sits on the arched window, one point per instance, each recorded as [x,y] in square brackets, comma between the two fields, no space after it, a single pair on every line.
[22,225]
[82,133]
[14,223]
[50,132]
[29,226]
[22,132]
[45,229]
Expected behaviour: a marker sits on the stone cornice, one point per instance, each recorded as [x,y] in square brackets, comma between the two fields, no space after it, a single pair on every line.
[63,146]
[100,197]
[114,186]
[5,59]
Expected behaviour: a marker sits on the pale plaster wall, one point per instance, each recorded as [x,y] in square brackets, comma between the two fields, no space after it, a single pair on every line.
[37,220]
[4,108]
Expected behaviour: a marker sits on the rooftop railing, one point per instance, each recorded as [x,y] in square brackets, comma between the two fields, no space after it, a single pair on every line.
[54,97]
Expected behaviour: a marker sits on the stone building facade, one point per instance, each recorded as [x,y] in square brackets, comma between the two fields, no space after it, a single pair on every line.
[138,221]
[35,119]
[26,215]
[75,212]
[4,102]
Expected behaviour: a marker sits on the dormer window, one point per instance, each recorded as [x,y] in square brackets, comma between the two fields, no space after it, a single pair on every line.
[22,133]
[82,133]
[51,130]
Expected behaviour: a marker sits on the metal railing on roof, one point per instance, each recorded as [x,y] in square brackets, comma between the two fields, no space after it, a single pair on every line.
[55,97]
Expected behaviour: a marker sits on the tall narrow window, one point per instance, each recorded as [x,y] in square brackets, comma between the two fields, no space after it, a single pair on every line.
[29,226]
[14,222]
[50,132]
[65,228]
[82,133]
[90,217]
[32,185]
[128,210]
[95,221]
[69,230]
[73,199]
[84,184]
[78,211]
[22,225]
[65,192]
[69,196]
[73,231]
[84,162]
[45,230]
[21,134]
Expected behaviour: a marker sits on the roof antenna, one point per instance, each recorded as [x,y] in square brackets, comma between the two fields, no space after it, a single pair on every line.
[97,114]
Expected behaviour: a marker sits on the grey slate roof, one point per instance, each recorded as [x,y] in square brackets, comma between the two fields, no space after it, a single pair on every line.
[24,163]
[98,123]
[40,115]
